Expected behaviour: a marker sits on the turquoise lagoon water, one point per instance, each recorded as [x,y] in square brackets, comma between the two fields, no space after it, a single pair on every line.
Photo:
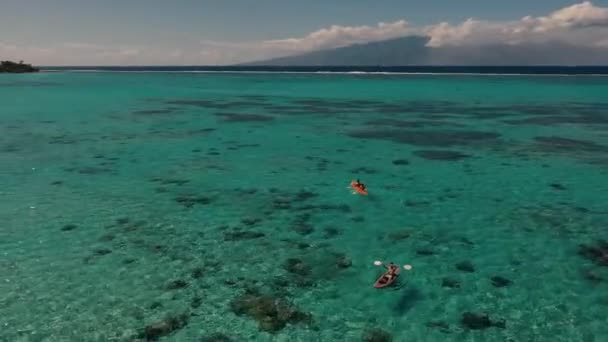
[214,207]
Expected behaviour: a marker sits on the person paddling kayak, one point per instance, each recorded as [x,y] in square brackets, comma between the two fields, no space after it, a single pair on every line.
[389,277]
[360,185]
[392,272]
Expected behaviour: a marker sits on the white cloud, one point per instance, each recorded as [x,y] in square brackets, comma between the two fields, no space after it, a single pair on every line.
[584,14]
[579,24]
[469,31]
[337,36]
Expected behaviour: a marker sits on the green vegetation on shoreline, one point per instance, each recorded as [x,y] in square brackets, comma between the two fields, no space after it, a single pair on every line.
[12,67]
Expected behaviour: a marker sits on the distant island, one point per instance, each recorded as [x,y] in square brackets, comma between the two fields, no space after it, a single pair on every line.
[12,67]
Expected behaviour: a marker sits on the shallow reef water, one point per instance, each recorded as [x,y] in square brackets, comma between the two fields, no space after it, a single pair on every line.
[216,207]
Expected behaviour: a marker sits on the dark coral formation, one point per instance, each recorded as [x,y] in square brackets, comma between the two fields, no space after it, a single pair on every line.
[272,313]
[165,327]
[592,276]
[170,181]
[343,261]
[498,281]
[125,224]
[565,113]
[363,170]
[301,225]
[557,186]
[424,252]
[465,266]
[400,162]
[412,203]
[297,244]
[322,163]
[344,208]
[196,302]
[303,228]
[90,170]
[304,195]
[562,218]
[216,104]
[287,200]
[560,144]
[358,219]
[238,235]
[597,253]
[450,283]
[409,124]
[314,266]
[69,227]
[477,321]
[97,253]
[101,251]
[282,283]
[330,232]
[123,220]
[441,155]
[376,335]
[250,221]
[399,235]
[297,266]
[429,138]
[155,305]
[154,111]
[177,284]
[236,117]
[189,201]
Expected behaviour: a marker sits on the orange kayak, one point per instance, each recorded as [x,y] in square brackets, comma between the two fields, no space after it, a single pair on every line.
[358,188]
[384,280]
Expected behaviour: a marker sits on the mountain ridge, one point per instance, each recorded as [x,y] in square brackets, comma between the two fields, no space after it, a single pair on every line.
[413,50]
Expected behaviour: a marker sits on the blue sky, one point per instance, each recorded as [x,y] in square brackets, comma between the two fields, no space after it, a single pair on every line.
[221,30]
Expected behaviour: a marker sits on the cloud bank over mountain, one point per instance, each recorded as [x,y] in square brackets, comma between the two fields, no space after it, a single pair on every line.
[582,24]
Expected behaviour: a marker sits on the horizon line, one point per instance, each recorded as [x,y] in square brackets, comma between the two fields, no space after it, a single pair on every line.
[330,66]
